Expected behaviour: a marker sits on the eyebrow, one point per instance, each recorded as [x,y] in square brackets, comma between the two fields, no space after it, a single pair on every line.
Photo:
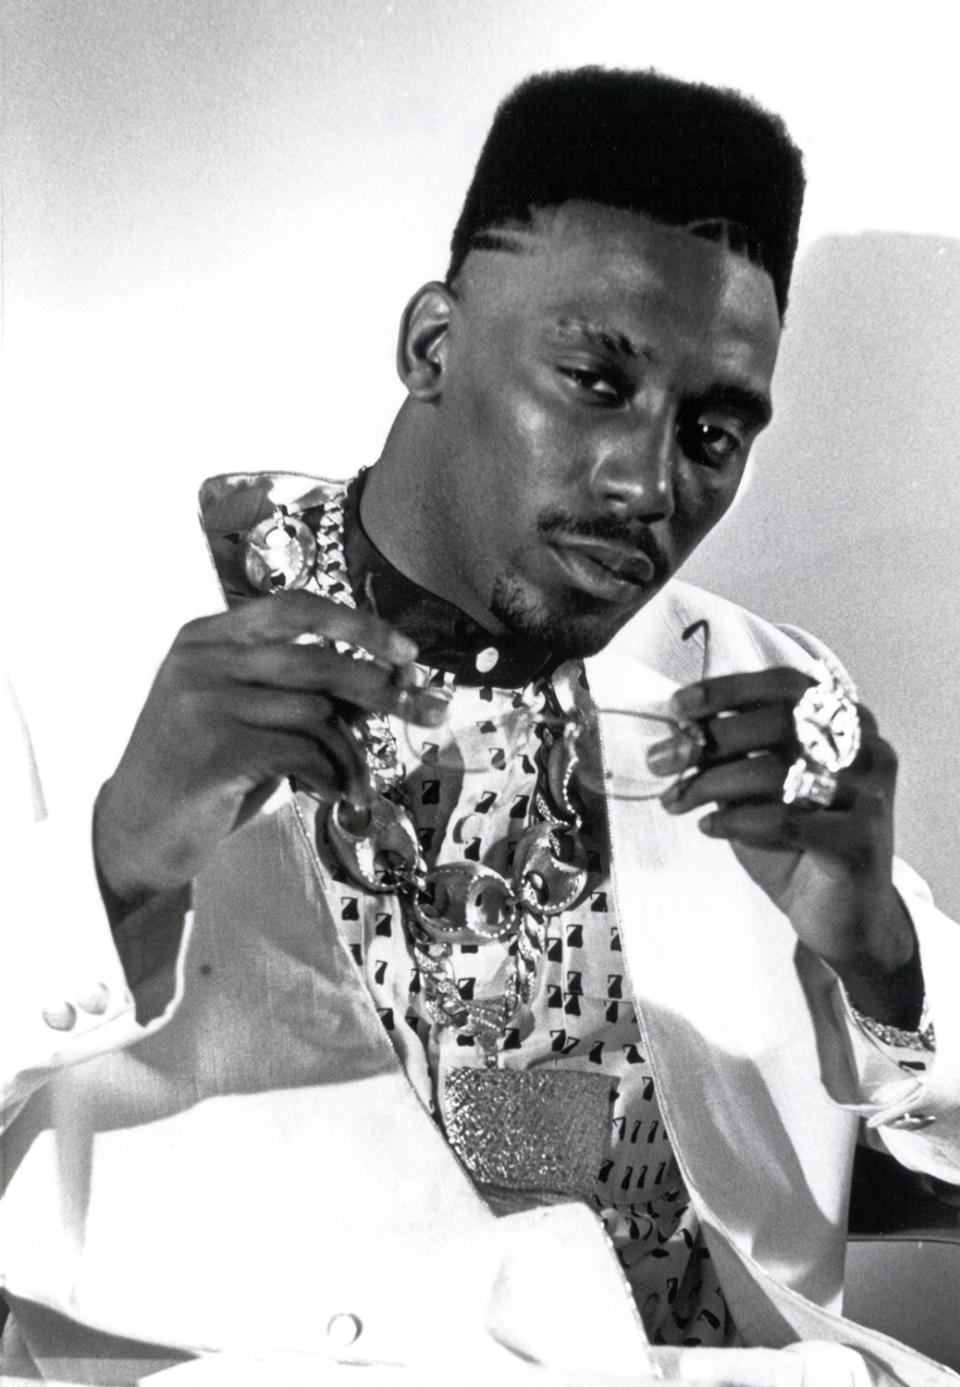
[755,406]
[598,335]
[511,242]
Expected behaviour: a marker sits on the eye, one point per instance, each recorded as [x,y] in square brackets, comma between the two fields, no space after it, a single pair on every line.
[595,383]
[713,443]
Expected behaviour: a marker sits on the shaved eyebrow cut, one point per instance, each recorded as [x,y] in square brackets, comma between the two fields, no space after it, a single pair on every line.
[596,335]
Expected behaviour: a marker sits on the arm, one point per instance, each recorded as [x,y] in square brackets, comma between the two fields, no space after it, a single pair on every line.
[243,700]
[63,993]
[870,933]
[912,1112]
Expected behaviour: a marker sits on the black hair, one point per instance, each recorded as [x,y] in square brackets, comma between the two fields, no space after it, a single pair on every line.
[683,153]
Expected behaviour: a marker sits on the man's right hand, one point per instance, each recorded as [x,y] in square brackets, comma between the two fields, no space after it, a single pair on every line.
[242,700]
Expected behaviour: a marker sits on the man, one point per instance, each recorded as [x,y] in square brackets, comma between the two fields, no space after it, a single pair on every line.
[433,972]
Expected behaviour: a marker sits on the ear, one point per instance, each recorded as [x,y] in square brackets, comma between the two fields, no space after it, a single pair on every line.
[422,343]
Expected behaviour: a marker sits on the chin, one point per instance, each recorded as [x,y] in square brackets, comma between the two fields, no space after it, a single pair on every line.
[575,628]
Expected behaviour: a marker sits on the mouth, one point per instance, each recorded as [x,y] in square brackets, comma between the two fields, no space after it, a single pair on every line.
[603,569]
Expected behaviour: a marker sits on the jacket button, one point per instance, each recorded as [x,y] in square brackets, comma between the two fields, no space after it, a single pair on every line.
[487,659]
[96,1000]
[912,1121]
[343,1330]
[62,1017]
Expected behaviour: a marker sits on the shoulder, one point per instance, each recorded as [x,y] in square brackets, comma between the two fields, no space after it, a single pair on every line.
[261,525]
[683,618]
[238,501]
[688,603]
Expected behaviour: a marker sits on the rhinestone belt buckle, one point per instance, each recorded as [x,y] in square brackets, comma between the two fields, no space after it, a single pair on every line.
[543,1131]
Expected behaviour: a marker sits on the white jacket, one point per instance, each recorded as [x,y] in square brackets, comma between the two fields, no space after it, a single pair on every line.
[189,1182]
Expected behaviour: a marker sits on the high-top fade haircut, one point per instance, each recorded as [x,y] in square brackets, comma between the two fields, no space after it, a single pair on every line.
[682,153]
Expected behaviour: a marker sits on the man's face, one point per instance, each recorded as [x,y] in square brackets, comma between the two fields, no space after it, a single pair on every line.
[600,396]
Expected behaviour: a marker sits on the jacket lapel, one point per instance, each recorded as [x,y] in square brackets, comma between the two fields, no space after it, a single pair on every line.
[711,963]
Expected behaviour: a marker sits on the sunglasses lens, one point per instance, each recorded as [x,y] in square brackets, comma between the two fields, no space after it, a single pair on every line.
[473,742]
[624,776]
[476,745]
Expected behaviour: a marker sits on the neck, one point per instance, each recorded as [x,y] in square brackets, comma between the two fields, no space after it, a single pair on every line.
[403,511]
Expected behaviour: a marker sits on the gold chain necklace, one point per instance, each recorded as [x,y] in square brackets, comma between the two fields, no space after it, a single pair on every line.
[467,902]
[378,847]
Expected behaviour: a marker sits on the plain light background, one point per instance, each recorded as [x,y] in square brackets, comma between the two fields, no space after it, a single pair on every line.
[215,210]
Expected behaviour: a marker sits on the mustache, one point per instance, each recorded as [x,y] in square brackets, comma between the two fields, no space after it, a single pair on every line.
[607,527]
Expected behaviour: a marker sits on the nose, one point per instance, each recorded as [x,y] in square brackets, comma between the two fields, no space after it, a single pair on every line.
[633,476]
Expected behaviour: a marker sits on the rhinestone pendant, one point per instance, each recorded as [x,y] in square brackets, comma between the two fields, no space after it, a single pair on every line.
[466,903]
[561,763]
[550,869]
[377,848]
[279,553]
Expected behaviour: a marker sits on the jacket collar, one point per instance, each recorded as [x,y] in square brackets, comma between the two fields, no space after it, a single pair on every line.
[448,638]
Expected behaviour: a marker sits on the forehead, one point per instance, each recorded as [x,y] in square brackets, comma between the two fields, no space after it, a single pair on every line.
[634,278]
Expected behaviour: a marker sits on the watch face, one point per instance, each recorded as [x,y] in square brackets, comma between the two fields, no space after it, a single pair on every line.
[828,728]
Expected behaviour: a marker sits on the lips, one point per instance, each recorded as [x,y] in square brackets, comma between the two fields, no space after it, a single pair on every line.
[632,564]
[601,567]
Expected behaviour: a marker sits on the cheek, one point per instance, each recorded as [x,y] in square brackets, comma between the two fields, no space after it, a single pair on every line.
[520,450]
[702,499]
[512,421]
[506,423]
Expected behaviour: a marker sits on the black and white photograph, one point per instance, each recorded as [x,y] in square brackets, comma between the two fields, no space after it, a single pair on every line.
[479,736]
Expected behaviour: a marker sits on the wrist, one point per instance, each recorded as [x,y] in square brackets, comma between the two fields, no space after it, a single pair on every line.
[120,893]
[886,982]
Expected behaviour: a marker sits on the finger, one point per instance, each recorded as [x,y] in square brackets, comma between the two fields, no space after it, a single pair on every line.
[337,753]
[313,668]
[737,734]
[868,723]
[307,713]
[751,778]
[287,615]
[264,724]
[876,761]
[724,738]
[325,767]
[368,685]
[846,833]
[762,825]
[342,745]
[729,692]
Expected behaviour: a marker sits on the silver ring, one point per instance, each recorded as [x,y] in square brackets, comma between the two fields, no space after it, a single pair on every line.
[696,736]
[827,727]
[804,785]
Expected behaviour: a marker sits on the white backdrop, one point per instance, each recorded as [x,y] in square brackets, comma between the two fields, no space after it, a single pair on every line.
[214,211]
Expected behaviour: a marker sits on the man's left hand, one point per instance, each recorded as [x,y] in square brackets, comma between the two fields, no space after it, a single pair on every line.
[828,869]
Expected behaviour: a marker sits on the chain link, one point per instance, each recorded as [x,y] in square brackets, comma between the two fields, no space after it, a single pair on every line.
[524,913]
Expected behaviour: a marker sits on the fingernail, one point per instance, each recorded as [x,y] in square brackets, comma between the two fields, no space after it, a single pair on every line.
[671,756]
[409,678]
[428,707]
[401,649]
[670,798]
[689,701]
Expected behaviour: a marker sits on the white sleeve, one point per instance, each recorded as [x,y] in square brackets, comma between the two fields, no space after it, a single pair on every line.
[64,994]
[913,1112]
